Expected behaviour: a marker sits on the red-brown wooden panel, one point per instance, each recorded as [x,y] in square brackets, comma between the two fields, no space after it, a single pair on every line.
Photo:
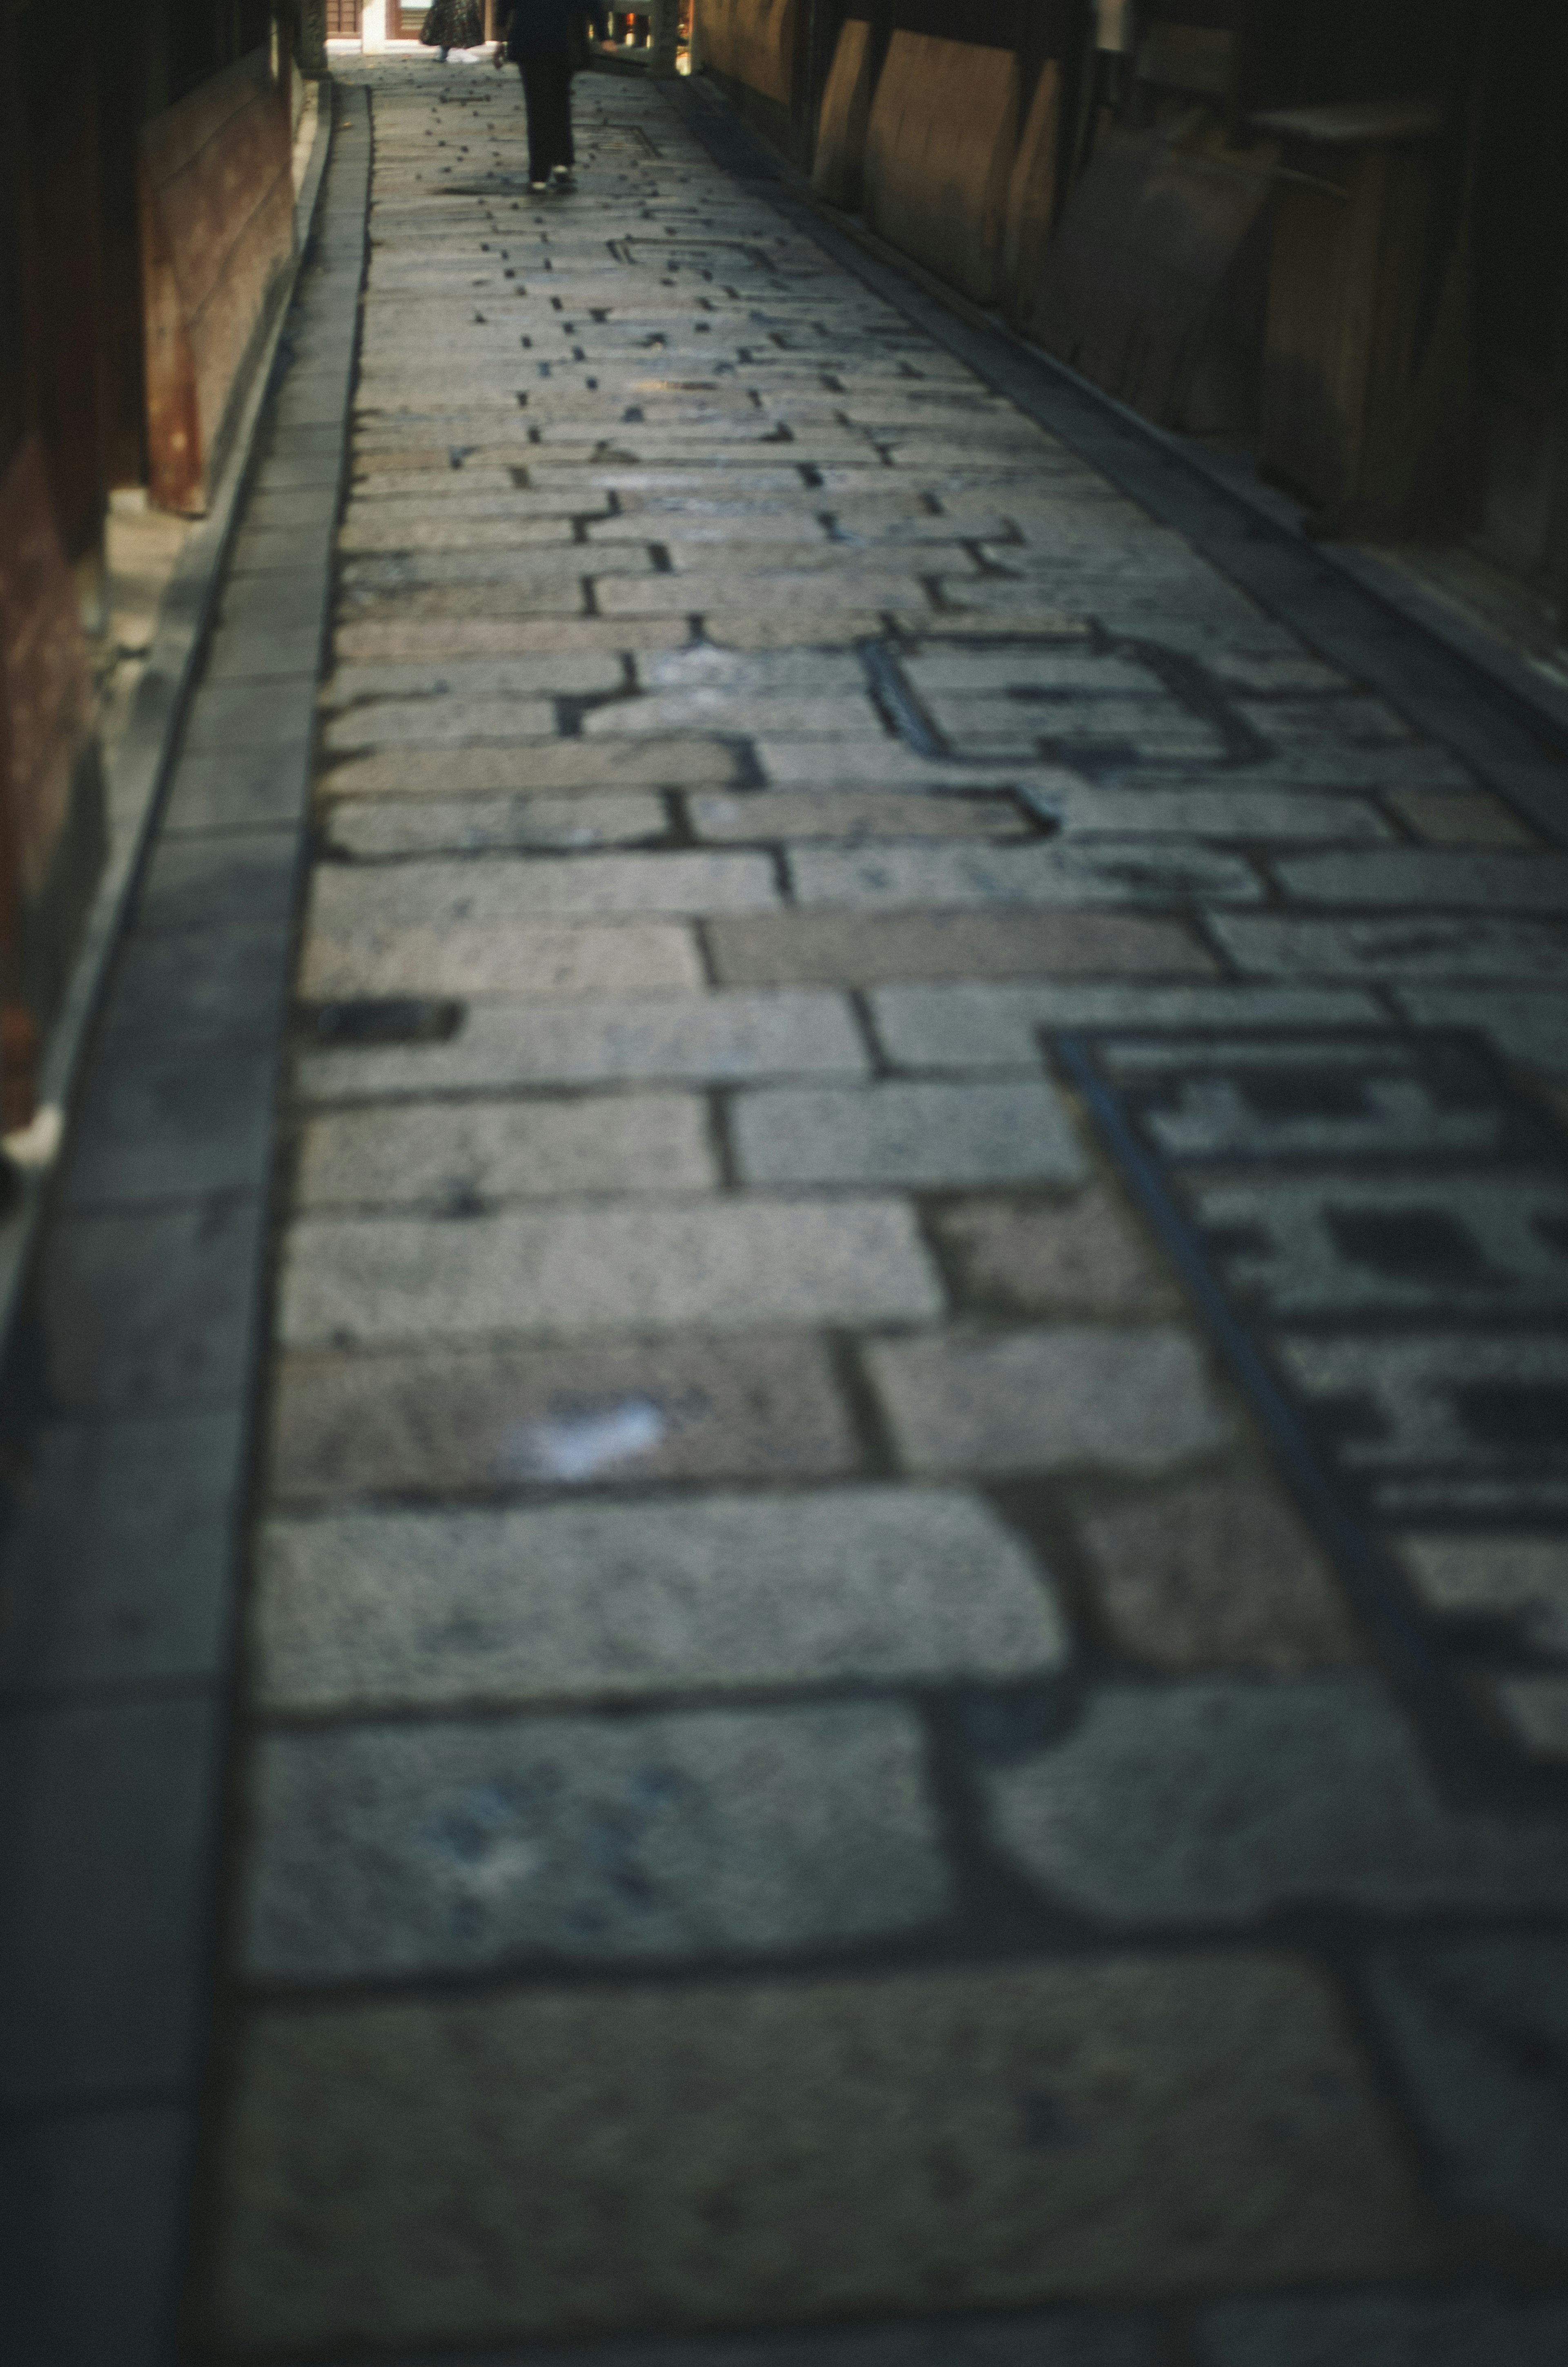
[218,227]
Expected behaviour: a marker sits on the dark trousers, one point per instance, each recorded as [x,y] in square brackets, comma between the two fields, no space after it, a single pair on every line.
[547,95]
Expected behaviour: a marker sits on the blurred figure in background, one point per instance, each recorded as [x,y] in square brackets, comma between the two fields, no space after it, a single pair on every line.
[548,40]
[453,25]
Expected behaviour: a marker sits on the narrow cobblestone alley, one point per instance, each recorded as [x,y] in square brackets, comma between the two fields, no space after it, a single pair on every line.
[903,1689]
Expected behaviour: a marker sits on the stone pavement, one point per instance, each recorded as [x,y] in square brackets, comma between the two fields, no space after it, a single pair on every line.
[804,1790]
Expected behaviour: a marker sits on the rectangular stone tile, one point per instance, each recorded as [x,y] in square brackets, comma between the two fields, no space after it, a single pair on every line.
[103,1857]
[1054,1400]
[380,1853]
[393,639]
[245,715]
[148,1130]
[1081,1256]
[1069,871]
[918,1135]
[248,790]
[594,1601]
[255,653]
[1234,814]
[1214,1802]
[1430,877]
[1497,1575]
[649,1264]
[774,814]
[1458,818]
[551,575]
[714,1038]
[110,2187]
[202,884]
[115,1566]
[1190,2121]
[362,827]
[999,1026]
[459,679]
[437,896]
[173,991]
[436,723]
[458,1156]
[810,596]
[155,1309]
[871,949]
[431,531]
[795,715]
[1214,1574]
[345,956]
[1414,944]
[559,765]
[611,1412]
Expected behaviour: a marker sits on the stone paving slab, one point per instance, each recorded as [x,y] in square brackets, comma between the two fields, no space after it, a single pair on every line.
[384,1850]
[714,2155]
[583,1601]
[610,1412]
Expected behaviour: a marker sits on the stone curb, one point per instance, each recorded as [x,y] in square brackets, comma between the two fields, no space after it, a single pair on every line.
[136,1346]
[138,771]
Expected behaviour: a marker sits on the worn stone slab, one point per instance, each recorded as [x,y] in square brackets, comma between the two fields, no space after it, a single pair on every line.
[874,949]
[691,1038]
[361,827]
[1536,882]
[563,766]
[152,1130]
[103,1867]
[1481,2030]
[1082,1256]
[1388,2330]
[1110,2126]
[380,1852]
[457,681]
[780,814]
[243,790]
[1152,871]
[1529,1029]
[457,1157]
[573,1601]
[201,885]
[1458,818]
[347,899]
[639,1265]
[115,1561]
[928,1136]
[1211,1803]
[1412,945]
[1069,1397]
[1215,1575]
[345,956]
[436,723]
[144,1308]
[613,1413]
[998,1027]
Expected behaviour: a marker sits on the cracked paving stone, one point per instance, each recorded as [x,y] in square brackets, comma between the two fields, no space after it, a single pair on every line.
[383,1851]
[698,2156]
[565,1601]
[1214,1801]
[435,1422]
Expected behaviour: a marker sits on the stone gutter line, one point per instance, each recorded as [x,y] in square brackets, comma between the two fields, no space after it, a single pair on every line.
[1540,704]
[138,772]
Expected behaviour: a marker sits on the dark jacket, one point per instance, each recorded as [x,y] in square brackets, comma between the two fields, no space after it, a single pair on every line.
[534,28]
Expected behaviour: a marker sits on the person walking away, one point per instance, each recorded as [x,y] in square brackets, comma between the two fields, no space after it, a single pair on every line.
[453,25]
[546,38]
